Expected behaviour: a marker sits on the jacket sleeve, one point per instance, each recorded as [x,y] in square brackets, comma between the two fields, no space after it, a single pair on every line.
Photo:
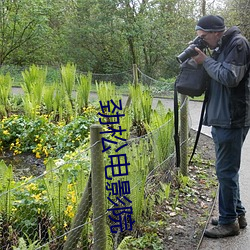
[234,66]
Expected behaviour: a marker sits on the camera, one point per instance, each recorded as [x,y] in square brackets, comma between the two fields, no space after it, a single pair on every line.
[190,51]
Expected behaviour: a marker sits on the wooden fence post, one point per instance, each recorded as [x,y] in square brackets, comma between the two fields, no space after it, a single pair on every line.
[135,82]
[98,188]
[80,218]
[135,74]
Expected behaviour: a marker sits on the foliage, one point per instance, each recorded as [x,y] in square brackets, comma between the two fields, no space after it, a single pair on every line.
[43,137]
[68,74]
[140,158]
[141,110]
[106,36]
[22,23]
[5,90]
[236,13]
[30,205]
[6,184]
[161,127]
[83,91]
[106,91]
[43,207]
[51,200]
[34,81]
[22,245]
[147,241]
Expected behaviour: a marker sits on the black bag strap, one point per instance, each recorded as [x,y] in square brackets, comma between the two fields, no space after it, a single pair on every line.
[176,126]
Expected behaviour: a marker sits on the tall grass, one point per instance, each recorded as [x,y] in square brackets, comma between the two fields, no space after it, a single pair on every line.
[68,74]
[6,184]
[141,103]
[33,86]
[83,91]
[5,90]
[161,128]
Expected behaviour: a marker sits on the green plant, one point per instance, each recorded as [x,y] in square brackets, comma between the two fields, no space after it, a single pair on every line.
[6,196]
[56,187]
[165,189]
[33,85]
[126,124]
[83,91]
[106,91]
[5,90]
[139,156]
[184,181]
[161,128]
[30,208]
[68,74]
[147,241]
[43,137]
[64,184]
[176,199]
[141,109]
[48,98]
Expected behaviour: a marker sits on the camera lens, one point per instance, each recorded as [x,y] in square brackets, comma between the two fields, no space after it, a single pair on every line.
[187,53]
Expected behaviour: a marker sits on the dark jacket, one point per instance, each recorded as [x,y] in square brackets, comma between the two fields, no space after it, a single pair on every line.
[229,90]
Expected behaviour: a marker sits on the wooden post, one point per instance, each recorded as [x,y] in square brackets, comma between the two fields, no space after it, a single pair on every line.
[98,188]
[135,82]
[80,218]
[135,74]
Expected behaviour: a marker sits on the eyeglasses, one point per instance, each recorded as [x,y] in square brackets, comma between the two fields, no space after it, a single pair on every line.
[203,36]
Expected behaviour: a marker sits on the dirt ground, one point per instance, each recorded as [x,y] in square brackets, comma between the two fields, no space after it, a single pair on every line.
[187,222]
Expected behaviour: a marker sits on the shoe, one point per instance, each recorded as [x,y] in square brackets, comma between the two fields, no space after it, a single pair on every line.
[241,219]
[221,231]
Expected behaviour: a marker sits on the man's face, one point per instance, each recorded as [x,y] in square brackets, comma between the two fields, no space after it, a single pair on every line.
[211,38]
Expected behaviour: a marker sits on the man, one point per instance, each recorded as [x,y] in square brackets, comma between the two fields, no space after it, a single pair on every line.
[228,112]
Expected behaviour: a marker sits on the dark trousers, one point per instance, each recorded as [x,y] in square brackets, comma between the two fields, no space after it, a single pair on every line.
[228,145]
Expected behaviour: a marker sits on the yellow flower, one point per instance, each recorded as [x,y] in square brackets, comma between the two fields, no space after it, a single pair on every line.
[14,209]
[69,211]
[73,199]
[37,196]
[17,152]
[6,132]
[31,187]
[45,151]
[38,155]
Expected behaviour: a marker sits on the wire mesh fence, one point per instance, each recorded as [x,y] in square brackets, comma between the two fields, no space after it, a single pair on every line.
[95,199]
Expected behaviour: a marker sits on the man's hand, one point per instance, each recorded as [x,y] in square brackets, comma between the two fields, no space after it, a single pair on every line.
[200,58]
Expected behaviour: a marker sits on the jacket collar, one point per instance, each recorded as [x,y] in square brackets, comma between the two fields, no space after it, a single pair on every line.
[231,32]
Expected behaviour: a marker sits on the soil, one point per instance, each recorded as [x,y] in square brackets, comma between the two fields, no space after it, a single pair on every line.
[25,164]
[187,222]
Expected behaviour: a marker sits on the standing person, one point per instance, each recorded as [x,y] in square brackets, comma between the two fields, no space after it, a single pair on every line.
[228,112]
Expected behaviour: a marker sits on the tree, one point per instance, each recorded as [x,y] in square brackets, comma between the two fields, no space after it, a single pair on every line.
[237,13]
[20,22]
